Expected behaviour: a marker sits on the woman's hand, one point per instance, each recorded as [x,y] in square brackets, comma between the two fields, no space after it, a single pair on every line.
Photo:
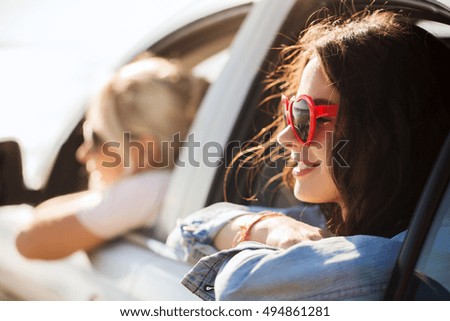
[284,232]
[280,231]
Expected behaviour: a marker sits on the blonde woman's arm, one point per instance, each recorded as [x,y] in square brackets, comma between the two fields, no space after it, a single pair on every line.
[84,221]
[55,231]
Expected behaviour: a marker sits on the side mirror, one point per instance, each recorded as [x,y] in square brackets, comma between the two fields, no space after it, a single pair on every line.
[67,175]
[12,187]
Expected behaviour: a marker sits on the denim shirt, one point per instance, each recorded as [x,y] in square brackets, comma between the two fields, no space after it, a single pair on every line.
[337,268]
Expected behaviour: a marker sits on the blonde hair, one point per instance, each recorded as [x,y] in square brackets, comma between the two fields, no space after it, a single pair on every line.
[151,96]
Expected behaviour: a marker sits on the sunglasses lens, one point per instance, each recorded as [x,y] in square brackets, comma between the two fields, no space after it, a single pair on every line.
[301,118]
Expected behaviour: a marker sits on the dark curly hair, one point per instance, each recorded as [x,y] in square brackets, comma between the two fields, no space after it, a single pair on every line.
[392,77]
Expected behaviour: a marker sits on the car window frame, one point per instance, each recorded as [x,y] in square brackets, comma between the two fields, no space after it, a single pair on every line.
[402,278]
[224,101]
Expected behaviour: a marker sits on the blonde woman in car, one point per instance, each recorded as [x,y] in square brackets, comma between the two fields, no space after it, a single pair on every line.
[132,134]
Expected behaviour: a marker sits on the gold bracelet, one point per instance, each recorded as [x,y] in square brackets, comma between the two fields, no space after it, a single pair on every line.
[246,229]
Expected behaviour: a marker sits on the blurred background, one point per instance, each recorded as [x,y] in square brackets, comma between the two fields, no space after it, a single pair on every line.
[53,52]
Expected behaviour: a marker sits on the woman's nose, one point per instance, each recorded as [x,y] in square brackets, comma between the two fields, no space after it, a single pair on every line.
[82,153]
[287,139]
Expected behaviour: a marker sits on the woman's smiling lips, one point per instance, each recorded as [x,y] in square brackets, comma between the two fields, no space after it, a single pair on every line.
[299,172]
[303,167]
